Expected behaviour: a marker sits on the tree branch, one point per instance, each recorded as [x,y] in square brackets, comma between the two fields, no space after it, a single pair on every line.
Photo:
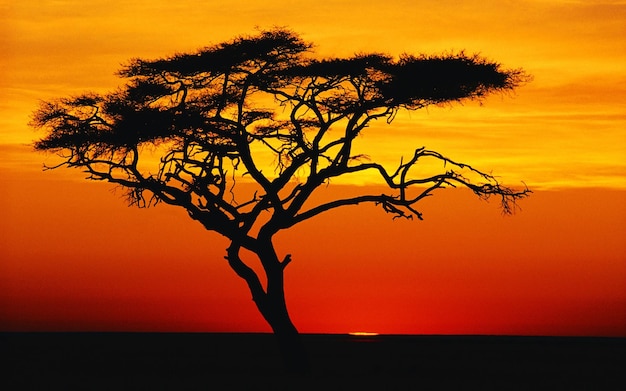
[246,273]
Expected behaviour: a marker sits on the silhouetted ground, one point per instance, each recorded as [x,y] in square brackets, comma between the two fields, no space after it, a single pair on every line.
[119,361]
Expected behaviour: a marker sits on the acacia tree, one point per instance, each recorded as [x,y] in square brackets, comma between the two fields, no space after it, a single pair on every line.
[189,129]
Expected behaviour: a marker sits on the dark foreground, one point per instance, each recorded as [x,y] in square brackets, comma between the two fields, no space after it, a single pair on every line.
[119,361]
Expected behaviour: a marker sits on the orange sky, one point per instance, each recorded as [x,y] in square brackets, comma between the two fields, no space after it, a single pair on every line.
[73,256]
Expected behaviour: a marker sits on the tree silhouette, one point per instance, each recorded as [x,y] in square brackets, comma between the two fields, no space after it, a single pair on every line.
[190,129]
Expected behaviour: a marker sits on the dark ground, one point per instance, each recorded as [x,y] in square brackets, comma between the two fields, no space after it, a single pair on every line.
[153,361]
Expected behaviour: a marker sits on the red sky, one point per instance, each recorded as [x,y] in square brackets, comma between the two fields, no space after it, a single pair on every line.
[74,257]
[555,268]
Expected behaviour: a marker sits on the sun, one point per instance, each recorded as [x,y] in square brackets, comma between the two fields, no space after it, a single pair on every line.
[362,334]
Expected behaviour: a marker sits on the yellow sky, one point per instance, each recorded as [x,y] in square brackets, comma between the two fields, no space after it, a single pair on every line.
[565,129]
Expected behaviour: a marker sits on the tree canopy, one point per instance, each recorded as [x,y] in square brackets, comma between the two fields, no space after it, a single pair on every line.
[210,114]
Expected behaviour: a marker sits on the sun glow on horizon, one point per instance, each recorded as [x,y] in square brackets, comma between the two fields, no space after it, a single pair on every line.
[363,334]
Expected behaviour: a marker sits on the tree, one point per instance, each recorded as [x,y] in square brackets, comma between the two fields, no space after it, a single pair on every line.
[262,110]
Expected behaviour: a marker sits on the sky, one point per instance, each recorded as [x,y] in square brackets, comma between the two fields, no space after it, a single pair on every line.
[73,256]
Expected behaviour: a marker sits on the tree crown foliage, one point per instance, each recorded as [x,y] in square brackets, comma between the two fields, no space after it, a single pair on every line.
[217,111]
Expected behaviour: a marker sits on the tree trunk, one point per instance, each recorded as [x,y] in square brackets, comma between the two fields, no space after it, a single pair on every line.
[290,344]
[273,307]
[271,303]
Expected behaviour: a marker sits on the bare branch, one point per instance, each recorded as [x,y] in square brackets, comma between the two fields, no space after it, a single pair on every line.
[206,113]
